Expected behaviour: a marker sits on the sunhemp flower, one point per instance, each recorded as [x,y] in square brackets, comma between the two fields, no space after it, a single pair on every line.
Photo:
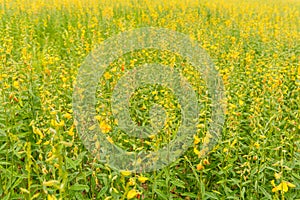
[200,167]
[132,193]
[67,116]
[131,182]
[142,179]
[206,162]
[196,139]
[105,127]
[126,173]
[283,186]
[107,75]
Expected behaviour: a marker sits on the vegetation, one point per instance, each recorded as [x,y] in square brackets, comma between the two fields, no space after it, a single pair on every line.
[255,47]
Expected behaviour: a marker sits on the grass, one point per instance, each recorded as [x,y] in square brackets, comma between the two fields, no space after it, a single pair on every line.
[255,47]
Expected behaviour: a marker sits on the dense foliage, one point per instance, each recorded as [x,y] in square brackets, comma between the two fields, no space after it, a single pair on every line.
[255,47]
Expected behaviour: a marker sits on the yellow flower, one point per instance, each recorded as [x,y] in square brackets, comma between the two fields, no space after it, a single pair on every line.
[154,92]
[98,117]
[44,170]
[152,136]
[71,131]
[105,128]
[64,79]
[114,69]
[262,137]
[126,173]
[196,139]
[107,75]
[37,131]
[109,139]
[61,123]
[200,125]
[196,151]
[132,193]
[55,124]
[233,143]
[283,186]
[108,12]
[200,167]
[51,197]
[291,185]
[273,183]
[206,162]
[142,179]
[278,175]
[16,84]
[50,183]
[39,142]
[35,196]
[241,102]
[24,190]
[6,85]
[131,182]
[67,116]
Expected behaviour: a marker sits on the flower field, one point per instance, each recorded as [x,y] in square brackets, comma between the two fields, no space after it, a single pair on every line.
[255,47]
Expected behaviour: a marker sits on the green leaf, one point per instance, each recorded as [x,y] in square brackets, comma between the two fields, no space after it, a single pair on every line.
[102,192]
[161,194]
[70,163]
[266,194]
[7,197]
[211,195]
[4,163]
[80,187]
[178,183]
[189,194]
